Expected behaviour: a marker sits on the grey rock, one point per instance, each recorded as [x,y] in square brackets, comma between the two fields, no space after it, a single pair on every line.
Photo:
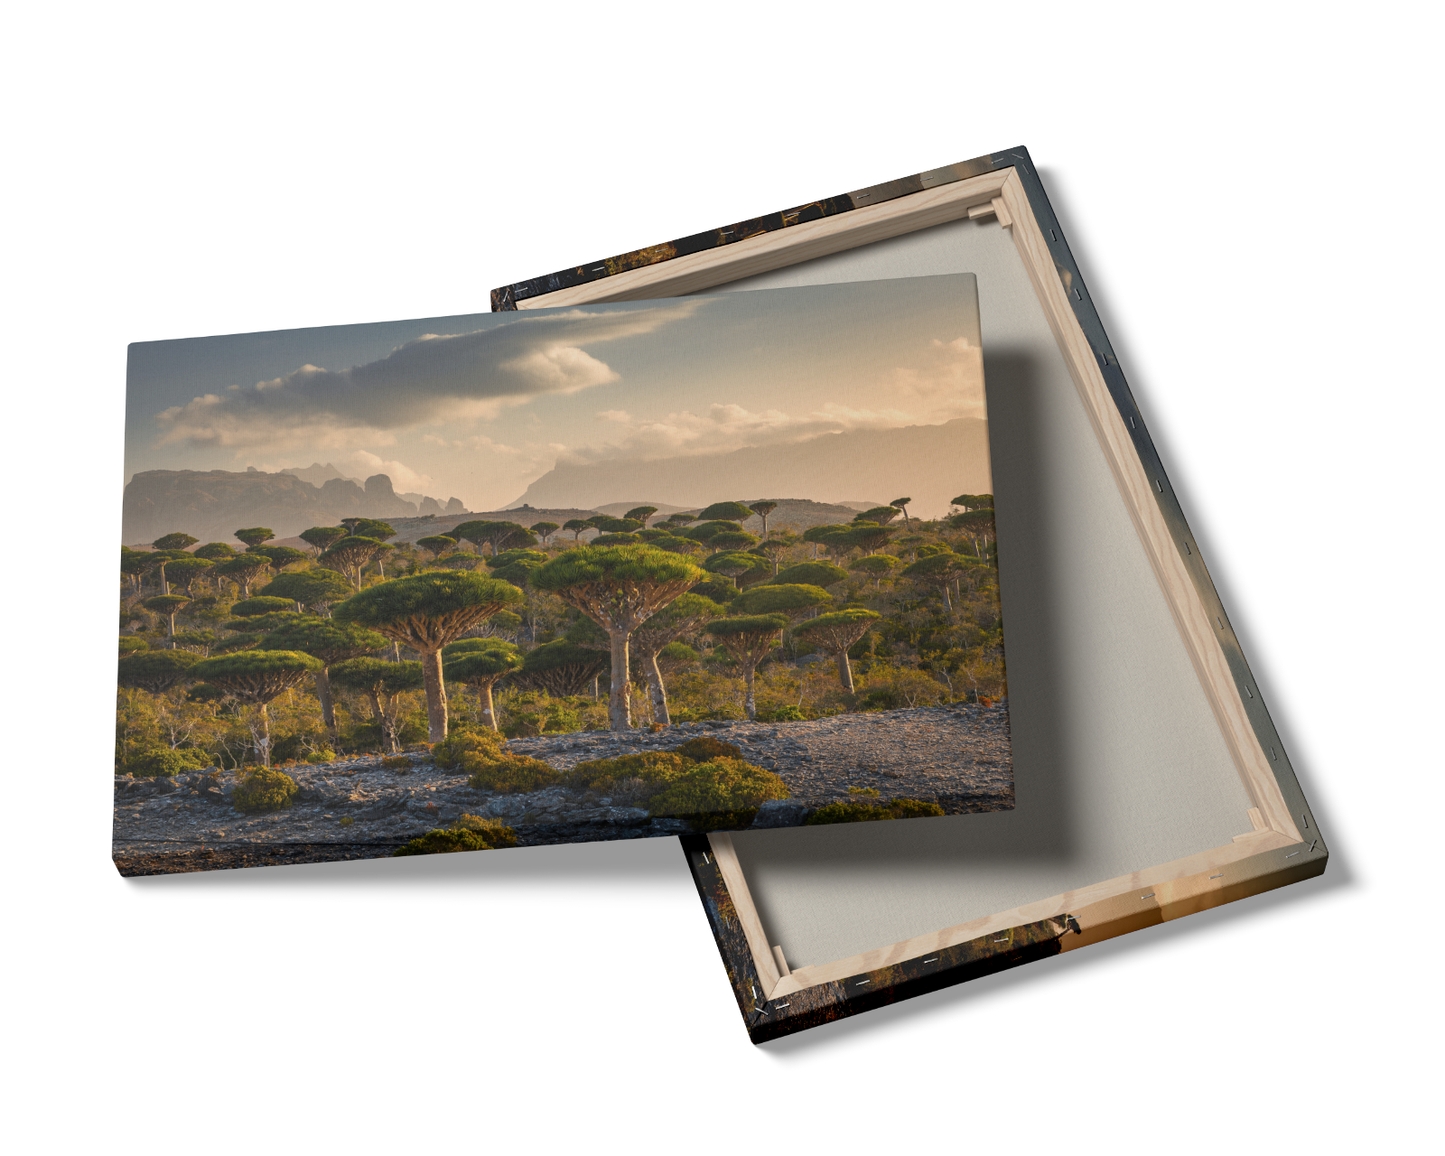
[780,813]
[215,795]
[164,786]
[669,827]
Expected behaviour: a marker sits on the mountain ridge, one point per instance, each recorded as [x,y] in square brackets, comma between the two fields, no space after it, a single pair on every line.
[929,463]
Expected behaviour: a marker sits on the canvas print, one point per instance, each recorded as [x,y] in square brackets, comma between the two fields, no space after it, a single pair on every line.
[605,572]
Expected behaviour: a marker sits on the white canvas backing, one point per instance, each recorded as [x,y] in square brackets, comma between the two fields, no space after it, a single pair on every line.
[1118,760]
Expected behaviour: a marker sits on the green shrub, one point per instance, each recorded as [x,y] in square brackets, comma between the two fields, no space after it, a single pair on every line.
[298,747]
[705,747]
[871,792]
[494,830]
[512,774]
[783,714]
[264,789]
[717,790]
[869,812]
[462,742]
[488,766]
[603,775]
[469,833]
[445,842]
[723,793]
[914,809]
[166,763]
[324,755]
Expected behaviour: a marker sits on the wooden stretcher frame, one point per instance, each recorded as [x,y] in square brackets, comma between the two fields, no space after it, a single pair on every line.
[1282,845]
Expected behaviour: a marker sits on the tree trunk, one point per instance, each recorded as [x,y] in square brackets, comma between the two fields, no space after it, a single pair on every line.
[388,724]
[750,705]
[656,689]
[619,705]
[323,695]
[947,602]
[489,708]
[436,696]
[263,726]
[845,671]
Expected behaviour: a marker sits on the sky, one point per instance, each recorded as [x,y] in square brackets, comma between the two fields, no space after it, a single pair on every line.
[479,406]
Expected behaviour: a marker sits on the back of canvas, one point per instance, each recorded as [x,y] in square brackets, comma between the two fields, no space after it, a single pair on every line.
[1118,760]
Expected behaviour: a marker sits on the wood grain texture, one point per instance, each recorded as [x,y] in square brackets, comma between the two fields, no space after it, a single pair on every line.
[774,250]
[1154,886]
[747,912]
[1196,624]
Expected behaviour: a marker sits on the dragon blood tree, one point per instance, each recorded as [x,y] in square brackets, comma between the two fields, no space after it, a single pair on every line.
[939,571]
[322,538]
[330,642]
[315,590]
[256,677]
[808,574]
[383,683]
[255,535]
[352,555]
[749,640]
[834,633]
[167,604]
[562,668]
[425,612]
[156,670]
[649,640]
[619,588]
[244,569]
[481,663]
[436,544]
[793,599]
[742,568]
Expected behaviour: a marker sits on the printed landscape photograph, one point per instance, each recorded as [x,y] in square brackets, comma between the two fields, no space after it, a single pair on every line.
[607,572]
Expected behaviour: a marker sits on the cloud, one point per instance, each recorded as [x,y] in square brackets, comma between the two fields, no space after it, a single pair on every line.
[724,427]
[944,381]
[434,378]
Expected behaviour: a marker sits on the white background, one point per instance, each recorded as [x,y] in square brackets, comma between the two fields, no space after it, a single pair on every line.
[1253,195]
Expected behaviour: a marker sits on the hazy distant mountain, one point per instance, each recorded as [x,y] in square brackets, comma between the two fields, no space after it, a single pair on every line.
[929,463]
[318,475]
[213,504]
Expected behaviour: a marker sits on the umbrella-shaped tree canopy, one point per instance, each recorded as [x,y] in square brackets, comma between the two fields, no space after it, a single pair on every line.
[749,639]
[809,574]
[834,633]
[157,670]
[732,511]
[243,569]
[562,668]
[383,683]
[256,676]
[425,612]
[619,588]
[482,669]
[793,599]
[322,538]
[316,589]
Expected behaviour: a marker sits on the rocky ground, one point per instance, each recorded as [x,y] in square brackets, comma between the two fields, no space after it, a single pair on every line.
[364,807]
